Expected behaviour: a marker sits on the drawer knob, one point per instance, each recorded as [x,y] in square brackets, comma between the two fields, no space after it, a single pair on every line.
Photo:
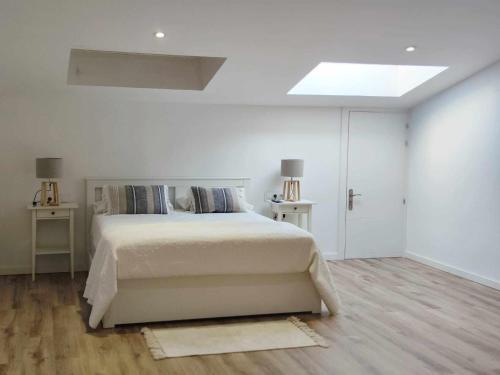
[53,212]
[295,208]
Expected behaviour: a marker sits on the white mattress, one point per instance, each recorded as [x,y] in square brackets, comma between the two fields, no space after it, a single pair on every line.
[186,244]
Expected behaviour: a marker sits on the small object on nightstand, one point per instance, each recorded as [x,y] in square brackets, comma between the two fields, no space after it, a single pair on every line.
[299,207]
[64,211]
[275,199]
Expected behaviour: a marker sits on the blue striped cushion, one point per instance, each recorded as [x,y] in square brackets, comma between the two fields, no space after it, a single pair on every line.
[218,200]
[134,199]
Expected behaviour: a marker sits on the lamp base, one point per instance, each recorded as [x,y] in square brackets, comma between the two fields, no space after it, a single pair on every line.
[291,190]
[49,194]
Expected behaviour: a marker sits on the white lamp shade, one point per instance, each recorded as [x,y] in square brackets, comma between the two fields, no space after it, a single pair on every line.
[292,168]
[48,167]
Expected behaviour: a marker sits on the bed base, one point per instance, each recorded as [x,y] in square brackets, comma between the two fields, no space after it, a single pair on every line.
[198,297]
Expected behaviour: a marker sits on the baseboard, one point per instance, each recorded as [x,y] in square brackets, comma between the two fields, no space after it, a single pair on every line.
[453,270]
[26,269]
[330,255]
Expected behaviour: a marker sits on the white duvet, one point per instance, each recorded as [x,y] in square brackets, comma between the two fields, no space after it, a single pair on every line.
[185,244]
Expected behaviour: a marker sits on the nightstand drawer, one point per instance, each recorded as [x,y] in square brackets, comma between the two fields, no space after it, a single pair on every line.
[300,209]
[52,214]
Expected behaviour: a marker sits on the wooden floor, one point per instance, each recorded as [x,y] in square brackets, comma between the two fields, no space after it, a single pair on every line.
[398,317]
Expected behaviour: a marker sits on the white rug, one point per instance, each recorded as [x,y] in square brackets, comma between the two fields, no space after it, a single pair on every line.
[230,338]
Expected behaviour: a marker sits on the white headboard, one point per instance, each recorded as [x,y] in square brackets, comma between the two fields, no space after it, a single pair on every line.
[94,186]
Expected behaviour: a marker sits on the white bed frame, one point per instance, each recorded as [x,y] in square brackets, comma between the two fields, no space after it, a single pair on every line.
[197,297]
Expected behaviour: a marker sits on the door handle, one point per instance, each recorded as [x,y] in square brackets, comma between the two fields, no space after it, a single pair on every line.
[351,198]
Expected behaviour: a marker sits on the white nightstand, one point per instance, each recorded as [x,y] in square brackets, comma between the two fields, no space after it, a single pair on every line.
[300,208]
[65,211]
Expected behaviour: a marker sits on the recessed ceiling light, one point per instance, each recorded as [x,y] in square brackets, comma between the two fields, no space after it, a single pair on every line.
[410,48]
[346,79]
[160,34]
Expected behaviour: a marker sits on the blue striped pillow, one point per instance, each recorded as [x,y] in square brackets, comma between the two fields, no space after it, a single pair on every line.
[134,199]
[216,200]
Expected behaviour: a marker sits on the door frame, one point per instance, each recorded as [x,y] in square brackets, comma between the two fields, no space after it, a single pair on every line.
[344,169]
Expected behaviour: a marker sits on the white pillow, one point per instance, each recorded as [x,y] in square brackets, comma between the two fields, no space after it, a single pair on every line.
[243,199]
[184,202]
[100,208]
[170,205]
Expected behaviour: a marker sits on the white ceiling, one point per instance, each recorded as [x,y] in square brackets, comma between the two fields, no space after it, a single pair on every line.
[270,44]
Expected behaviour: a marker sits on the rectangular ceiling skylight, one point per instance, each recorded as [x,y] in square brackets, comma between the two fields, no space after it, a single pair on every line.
[364,79]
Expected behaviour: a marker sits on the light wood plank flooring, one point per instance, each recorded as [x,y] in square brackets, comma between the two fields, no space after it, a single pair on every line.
[398,317]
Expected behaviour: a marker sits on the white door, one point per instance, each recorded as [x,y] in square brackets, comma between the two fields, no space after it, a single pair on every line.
[376,180]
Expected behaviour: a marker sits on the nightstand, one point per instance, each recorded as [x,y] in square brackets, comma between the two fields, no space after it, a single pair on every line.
[65,211]
[299,207]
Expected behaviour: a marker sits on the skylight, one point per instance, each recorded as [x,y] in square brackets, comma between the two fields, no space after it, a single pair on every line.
[364,79]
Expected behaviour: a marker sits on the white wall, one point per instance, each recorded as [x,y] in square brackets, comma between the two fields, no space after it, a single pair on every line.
[110,138]
[454,179]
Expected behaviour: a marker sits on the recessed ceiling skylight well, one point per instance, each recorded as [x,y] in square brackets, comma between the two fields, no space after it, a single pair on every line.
[345,79]
[141,70]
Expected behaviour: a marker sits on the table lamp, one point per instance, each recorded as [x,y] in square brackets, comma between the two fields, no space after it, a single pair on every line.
[292,168]
[49,168]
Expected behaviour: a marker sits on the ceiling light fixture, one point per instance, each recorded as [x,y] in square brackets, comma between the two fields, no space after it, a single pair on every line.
[160,34]
[410,48]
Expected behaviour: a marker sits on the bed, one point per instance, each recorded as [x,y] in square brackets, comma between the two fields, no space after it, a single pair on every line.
[147,268]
